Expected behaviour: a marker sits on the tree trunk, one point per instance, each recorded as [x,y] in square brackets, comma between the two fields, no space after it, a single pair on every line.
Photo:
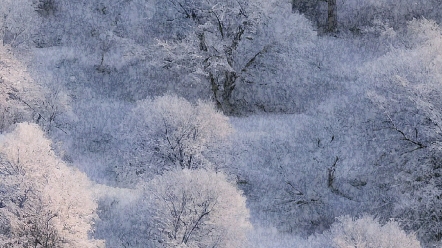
[294,6]
[332,17]
[222,88]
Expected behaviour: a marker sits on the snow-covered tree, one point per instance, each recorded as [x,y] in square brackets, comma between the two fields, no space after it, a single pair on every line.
[406,89]
[20,97]
[195,208]
[231,49]
[44,203]
[214,31]
[170,132]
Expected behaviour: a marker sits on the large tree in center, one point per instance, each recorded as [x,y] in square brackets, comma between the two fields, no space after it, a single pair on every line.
[227,46]
[216,31]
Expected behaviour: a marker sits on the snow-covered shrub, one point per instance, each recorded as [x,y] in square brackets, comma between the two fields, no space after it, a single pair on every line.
[299,172]
[92,139]
[366,232]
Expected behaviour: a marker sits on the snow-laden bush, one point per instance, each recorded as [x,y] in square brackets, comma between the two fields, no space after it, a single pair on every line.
[366,232]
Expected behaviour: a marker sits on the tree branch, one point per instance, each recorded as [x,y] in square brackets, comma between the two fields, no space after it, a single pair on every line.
[13,96]
[405,137]
[252,60]
[331,181]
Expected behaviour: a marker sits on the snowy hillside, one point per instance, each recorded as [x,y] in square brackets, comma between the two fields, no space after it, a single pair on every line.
[240,123]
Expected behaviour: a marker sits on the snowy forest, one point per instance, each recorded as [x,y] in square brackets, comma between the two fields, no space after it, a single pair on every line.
[227,124]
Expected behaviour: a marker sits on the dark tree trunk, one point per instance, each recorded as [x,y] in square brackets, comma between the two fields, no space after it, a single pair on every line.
[222,88]
[294,6]
[332,17]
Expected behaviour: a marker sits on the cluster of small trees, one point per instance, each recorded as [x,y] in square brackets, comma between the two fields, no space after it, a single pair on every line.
[46,203]
[225,52]
[374,150]
[358,16]
[183,199]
